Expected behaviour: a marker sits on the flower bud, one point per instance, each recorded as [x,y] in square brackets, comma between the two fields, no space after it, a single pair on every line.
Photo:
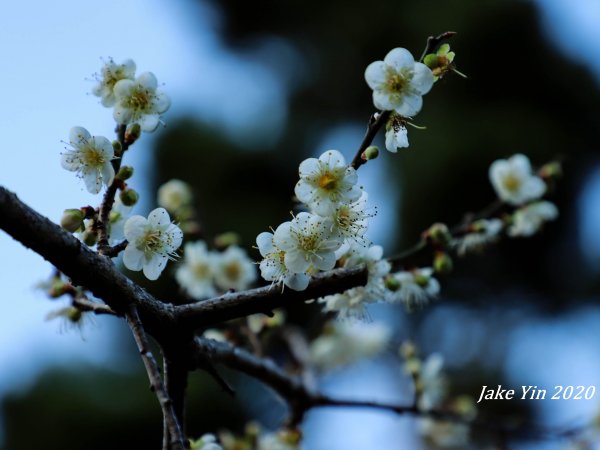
[391,283]
[125,173]
[132,133]
[442,263]
[89,237]
[408,350]
[117,148]
[551,171]
[72,220]
[225,240]
[129,197]
[438,233]
[370,153]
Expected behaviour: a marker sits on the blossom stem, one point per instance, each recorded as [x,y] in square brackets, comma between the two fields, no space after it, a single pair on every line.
[109,196]
[434,41]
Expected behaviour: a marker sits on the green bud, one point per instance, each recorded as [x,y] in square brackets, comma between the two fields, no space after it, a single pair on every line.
[442,263]
[125,172]
[90,238]
[370,153]
[431,61]
[117,148]
[129,197]
[408,350]
[72,220]
[132,133]
[552,170]
[439,234]
[73,314]
[225,240]
[391,283]
[421,280]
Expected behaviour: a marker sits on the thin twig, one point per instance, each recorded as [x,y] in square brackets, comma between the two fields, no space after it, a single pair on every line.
[375,123]
[83,304]
[177,439]
[434,41]
[109,196]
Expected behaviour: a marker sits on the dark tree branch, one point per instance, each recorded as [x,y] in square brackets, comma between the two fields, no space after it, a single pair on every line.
[173,425]
[265,299]
[375,123]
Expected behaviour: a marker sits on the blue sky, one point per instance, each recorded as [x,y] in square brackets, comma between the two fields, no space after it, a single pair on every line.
[49,51]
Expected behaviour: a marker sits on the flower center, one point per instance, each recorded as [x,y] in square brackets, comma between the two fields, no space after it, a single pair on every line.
[396,82]
[232,271]
[327,181]
[152,242]
[139,99]
[93,157]
[201,270]
[511,183]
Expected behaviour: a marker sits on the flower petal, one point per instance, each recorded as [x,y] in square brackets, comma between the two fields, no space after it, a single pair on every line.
[297,281]
[79,136]
[147,80]
[159,217]
[264,241]
[399,58]
[422,79]
[133,258]
[92,180]
[135,228]
[154,267]
[375,74]
[149,122]
[161,102]
[108,173]
[410,106]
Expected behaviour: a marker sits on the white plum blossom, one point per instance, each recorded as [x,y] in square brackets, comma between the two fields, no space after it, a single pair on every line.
[276,441]
[481,233]
[514,181]
[233,269]
[118,216]
[139,101]
[174,194]
[152,242]
[90,157]
[206,442]
[347,342]
[111,73]
[432,383]
[273,268]
[398,82]
[307,242]
[415,288]
[326,182]
[352,303]
[396,134]
[196,274]
[350,220]
[530,218]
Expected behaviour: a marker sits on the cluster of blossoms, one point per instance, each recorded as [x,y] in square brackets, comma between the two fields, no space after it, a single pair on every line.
[135,100]
[138,104]
[520,188]
[206,273]
[431,391]
[311,240]
[399,83]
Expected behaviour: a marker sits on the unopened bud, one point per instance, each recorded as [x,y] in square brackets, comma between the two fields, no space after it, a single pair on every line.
[72,220]
[125,173]
[552,170]
[117,148]
[442,263]
[89,238]
[225,240]
[438,233]
[391,283]
[370,153]
[129,197]
[408,350]
[132,133]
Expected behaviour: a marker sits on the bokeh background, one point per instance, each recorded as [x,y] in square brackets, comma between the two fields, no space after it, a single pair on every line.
[256,87]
